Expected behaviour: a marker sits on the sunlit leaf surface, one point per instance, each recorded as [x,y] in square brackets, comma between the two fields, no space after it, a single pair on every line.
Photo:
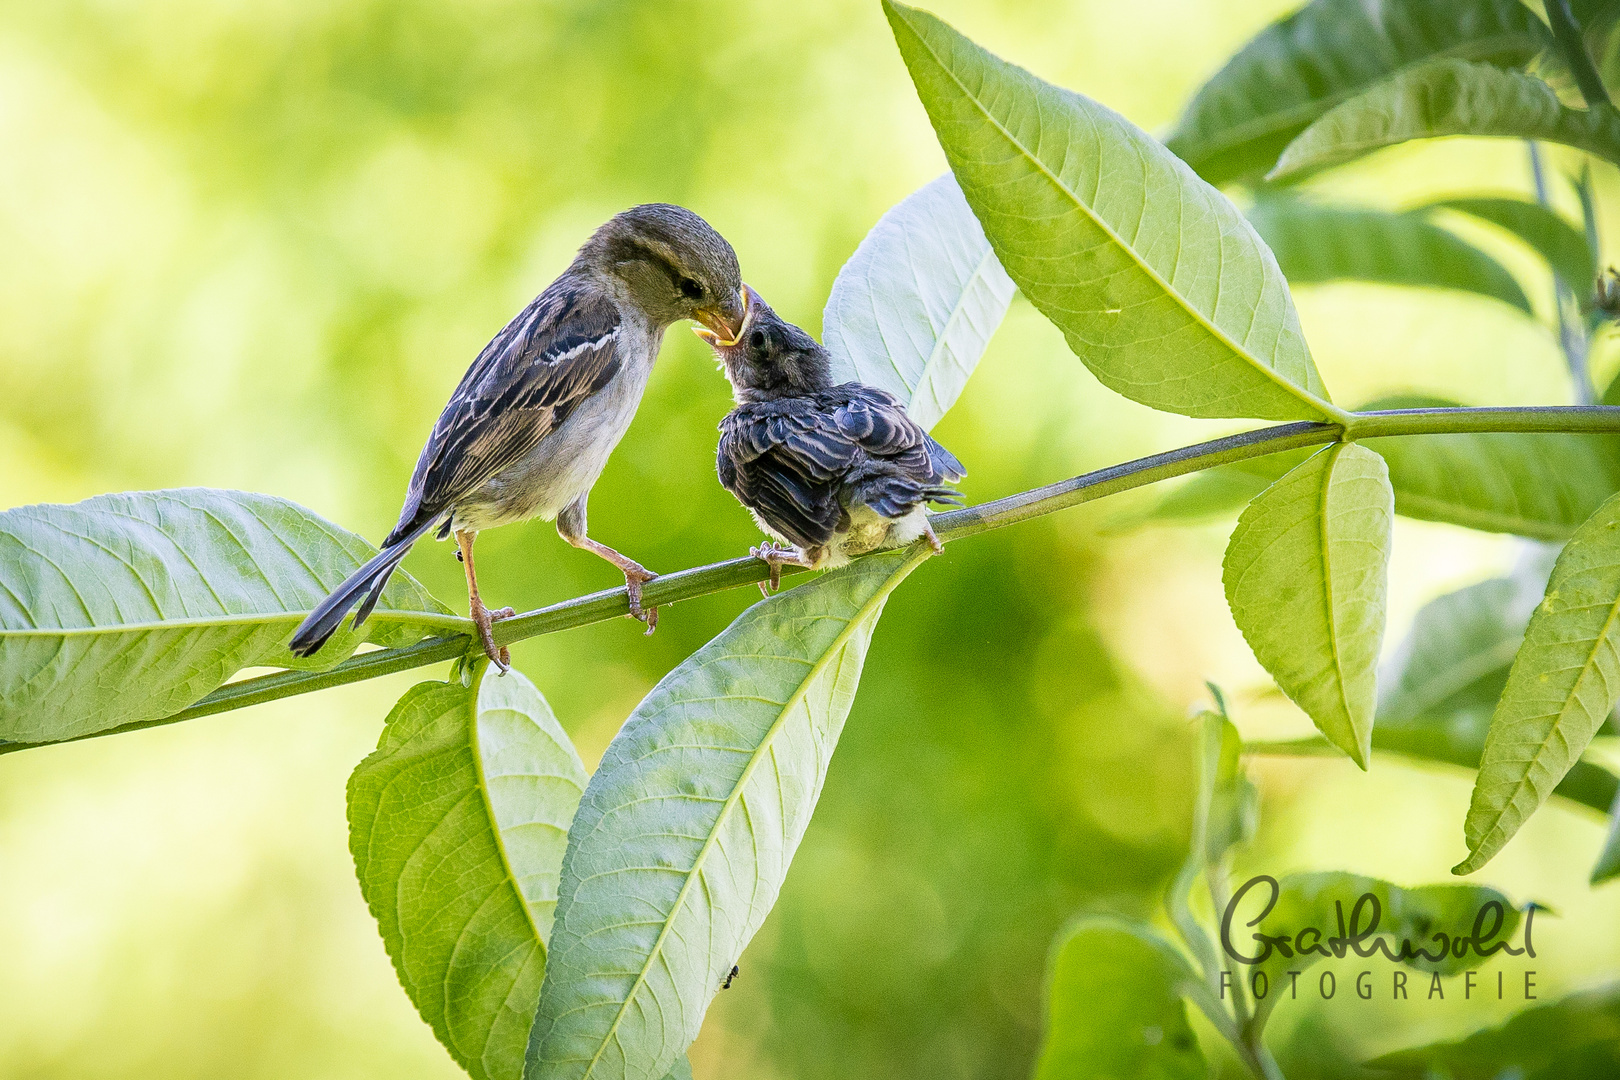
[458,824]
[686,831]
[1306,575]
[130,607]
[914,307]
[1440,685]
[1157,282]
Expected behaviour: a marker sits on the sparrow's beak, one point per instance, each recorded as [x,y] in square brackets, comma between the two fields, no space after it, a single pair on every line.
[723,329]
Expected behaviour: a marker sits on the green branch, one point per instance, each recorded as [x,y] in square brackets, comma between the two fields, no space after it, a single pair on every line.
[953,525]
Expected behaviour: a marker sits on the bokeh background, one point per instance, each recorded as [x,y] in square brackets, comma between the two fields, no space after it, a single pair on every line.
[254,245]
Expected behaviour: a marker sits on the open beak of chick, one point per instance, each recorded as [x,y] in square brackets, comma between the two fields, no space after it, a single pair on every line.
[723,329]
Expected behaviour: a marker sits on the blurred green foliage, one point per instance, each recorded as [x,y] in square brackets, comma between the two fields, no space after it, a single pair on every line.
[255,245]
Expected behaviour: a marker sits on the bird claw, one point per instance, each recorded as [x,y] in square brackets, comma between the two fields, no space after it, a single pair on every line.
[634,578]
[769,554]
[484,619]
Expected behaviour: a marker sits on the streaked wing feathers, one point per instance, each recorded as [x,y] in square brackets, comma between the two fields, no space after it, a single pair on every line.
[559,350]
[792,460]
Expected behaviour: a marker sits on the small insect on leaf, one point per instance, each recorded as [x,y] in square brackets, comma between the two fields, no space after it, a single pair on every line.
[732,975]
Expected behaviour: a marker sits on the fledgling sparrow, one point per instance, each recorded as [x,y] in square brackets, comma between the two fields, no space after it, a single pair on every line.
[530,427]
[834,471]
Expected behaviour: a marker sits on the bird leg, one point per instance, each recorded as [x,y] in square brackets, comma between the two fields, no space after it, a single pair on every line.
[482,617]
[777,556]
[571,527]
[932,538]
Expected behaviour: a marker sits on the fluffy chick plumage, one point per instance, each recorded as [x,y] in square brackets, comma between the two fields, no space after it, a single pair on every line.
[834,470]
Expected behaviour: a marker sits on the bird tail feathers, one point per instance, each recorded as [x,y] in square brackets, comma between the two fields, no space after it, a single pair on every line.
[898,498]
[944,462]
[364,587]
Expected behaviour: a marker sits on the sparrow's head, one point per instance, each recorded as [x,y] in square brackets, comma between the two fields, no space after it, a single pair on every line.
[770,357]
[673,264]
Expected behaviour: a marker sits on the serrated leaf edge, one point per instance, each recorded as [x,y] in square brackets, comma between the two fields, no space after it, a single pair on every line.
[1493,836]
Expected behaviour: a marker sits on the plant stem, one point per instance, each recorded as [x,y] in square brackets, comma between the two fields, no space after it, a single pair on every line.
[1215,881]
[1258,1058]
[1250,1022]
[953,525]
[1571,329]
[1567,33]
[1572,419]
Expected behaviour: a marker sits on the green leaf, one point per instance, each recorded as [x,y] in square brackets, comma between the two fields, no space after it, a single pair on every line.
[1114,1006]
[1573,1038]
[1446,97]
[458,823]
[1305,63]
[1564,682]
[131,607]
[1417,926]
[1607,866]
[686,831]
[1155,279]
[1542,229]
[914,307]
[1306,574]
[1316,243]
[1441,684]
[1538,485]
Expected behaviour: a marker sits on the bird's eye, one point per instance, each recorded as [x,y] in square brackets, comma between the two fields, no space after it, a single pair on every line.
[756,340]
[691,289]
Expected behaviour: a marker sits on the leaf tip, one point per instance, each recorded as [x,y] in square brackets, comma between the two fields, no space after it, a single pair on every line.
[1280,173]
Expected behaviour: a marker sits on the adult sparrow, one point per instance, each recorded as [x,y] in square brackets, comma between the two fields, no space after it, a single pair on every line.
[531,425]
[834,471]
